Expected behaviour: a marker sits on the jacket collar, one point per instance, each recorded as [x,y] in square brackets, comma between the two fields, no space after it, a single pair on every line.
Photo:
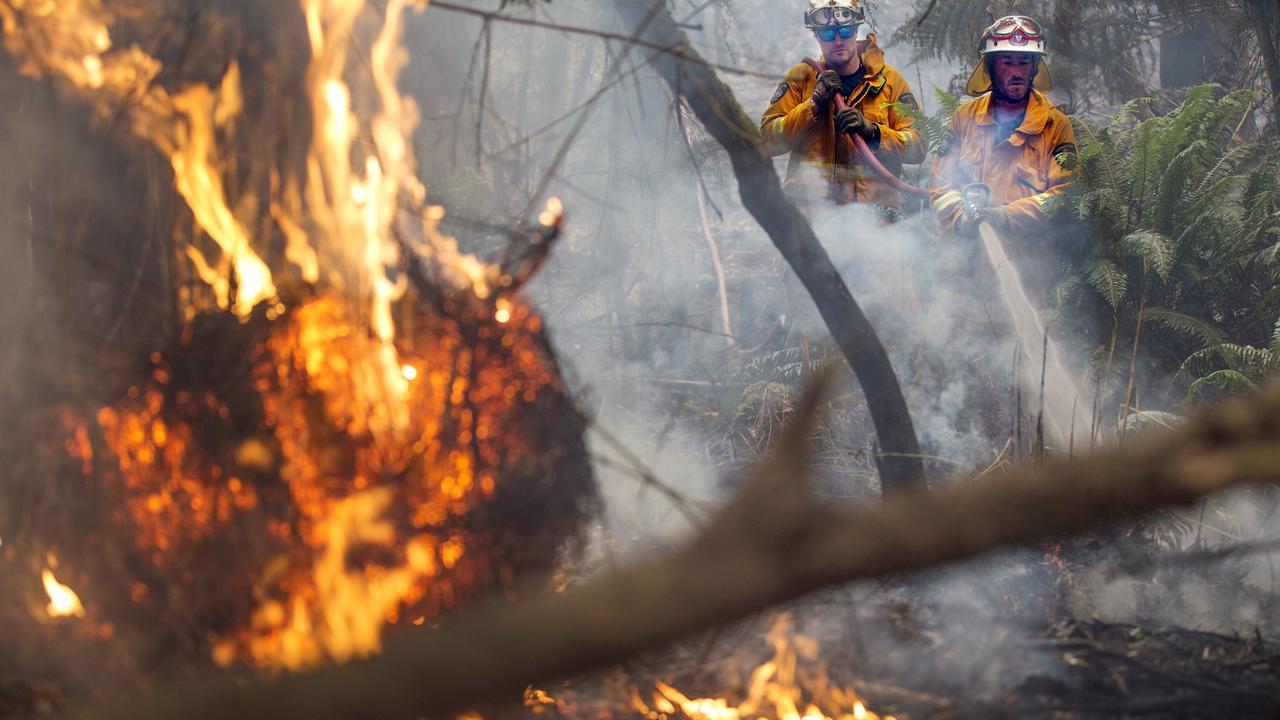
[872,58]
[1038,107]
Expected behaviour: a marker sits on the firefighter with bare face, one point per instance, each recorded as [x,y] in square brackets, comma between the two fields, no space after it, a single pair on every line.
[1011,139]
[802,118]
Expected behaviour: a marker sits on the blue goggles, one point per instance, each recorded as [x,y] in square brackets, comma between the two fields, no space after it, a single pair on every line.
[844,31]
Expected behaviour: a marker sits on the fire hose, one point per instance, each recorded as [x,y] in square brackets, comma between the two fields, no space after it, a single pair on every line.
[865,152]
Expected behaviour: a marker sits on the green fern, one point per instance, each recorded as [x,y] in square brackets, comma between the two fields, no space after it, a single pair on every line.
[934,128]
[1109,281]
[1184,233]
[1225,381]
[1153,249]
[1199,330]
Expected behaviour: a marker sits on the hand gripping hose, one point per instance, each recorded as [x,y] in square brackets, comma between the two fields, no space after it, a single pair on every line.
[868,156]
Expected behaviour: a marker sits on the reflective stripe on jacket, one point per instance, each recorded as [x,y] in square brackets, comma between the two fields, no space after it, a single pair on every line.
[1022,170]
[822,167]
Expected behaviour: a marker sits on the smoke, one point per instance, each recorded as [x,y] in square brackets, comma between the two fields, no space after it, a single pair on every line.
[927,297]
[632,304]
[631,301]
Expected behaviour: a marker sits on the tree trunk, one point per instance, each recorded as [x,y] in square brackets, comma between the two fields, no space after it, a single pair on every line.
[1263,14]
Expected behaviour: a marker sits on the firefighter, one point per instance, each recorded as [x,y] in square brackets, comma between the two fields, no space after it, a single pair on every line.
[802,118]
[1010,138]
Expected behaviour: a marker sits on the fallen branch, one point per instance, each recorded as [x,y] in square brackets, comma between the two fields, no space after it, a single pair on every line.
[716,107]
[775,542]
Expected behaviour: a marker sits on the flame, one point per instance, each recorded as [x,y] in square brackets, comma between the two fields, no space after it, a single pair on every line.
[71,40]
[366,552]
[424,415]
[777,689]
[195,159]
[345,616]
[63,601]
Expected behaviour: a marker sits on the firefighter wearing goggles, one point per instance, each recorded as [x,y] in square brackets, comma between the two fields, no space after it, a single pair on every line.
[1011,138]
[801,118]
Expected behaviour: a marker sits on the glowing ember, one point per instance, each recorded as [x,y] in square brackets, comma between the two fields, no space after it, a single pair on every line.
[63,601]
[552,213]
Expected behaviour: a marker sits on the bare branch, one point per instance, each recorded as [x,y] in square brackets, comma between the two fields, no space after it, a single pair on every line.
[681,51]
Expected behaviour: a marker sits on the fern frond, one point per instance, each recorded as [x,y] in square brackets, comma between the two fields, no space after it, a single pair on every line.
[933,128]
[949,102]
[1256,362]
[1225,168]
[1185,325]
[1154,249]
[1174,178]
[1227,381]
[1109,281]
[1151,419]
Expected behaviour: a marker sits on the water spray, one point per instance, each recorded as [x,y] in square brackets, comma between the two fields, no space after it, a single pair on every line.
[1060,399]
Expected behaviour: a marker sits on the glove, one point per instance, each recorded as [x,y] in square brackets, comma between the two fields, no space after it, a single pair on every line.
[827,87]
[851,120]
[996,217]
[967,225]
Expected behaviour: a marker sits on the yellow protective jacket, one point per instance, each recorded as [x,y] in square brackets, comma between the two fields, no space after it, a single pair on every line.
[1024,170]
[822,165]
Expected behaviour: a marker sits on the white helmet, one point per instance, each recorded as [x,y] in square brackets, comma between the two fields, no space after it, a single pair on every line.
[1011,34]
[828,13]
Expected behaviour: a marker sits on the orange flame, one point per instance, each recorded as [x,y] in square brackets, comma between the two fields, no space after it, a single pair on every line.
[429,411]
[777,690]
[71,40]
[344,619]
[63,601]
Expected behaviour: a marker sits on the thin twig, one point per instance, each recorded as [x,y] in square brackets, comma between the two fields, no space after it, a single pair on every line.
[565,145]
[1133,359]
[567,114]
[925,15]
[712,247]
[681,52]
[636,467]
[487,34]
